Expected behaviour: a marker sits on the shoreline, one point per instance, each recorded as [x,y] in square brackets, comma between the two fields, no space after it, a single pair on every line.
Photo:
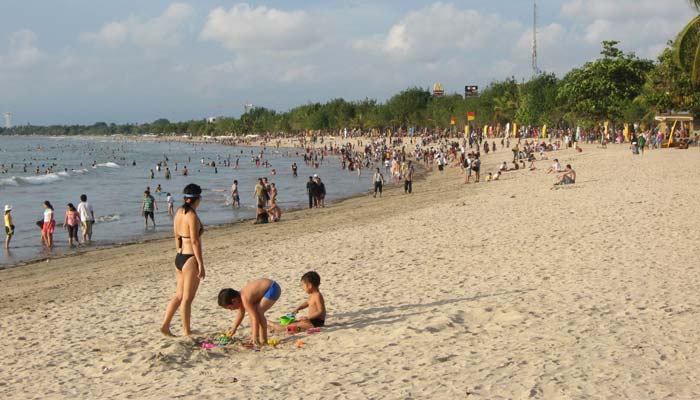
[78,251]
[42,255]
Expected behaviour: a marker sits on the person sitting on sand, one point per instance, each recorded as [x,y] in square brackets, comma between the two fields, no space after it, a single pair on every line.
[256,298]
[316,316]
[568,177]
[556,167]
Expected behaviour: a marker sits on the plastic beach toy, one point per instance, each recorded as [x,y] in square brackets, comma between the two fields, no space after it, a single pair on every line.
[273,342]
[292,329]
[208,345]
[313,330]
[299,343]
[287,319]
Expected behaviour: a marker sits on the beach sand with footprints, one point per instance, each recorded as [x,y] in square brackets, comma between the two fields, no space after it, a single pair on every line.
[498,290]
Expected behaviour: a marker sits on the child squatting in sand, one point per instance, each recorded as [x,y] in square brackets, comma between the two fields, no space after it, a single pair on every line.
[256,298]
[316,317]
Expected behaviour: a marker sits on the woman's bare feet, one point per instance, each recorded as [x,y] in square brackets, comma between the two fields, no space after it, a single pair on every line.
[166,331]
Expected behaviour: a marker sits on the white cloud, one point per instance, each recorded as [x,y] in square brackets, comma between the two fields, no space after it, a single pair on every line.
[163,30]
[23,51]
[640,25]
[624,9]
[440,30]
[550,36]
[246,28]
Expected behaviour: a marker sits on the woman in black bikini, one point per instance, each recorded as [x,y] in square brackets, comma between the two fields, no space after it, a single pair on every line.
[189,265]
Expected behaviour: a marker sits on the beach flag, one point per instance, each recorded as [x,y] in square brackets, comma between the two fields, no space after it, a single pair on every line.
[453,121]
[544,131]
[605,124]
[670,134]
[626,133]
[471,116]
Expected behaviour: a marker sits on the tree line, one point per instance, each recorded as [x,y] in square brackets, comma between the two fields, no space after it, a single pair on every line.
[616,87]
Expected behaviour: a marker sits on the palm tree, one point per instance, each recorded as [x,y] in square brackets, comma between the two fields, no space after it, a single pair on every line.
[688,46]
[504,108]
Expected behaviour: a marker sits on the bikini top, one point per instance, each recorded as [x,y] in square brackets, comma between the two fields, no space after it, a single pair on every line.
[201,231]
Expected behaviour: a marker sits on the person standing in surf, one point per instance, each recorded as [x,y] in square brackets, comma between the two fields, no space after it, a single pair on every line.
[235,197]
[48,226]
[147,208]
[9,227]
[87,218]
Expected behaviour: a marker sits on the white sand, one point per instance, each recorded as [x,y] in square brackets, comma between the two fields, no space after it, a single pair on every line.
[498,290]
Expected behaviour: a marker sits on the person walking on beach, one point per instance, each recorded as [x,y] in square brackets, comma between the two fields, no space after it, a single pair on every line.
[408,179]
[9,227]
[71,222]
[189,263]
[378,180]
[87,218]
[48,226]
[147,206]
[476,166]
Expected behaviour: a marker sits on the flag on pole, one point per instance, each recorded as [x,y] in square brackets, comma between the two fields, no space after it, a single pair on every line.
[606,124]
[453,121]
[471,116]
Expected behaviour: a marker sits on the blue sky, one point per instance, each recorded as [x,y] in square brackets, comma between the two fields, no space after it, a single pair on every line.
[135,61]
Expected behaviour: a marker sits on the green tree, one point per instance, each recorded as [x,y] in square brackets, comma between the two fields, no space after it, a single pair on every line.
[601,89]
[669,88]
[408,107]
[538,101]
[687,49]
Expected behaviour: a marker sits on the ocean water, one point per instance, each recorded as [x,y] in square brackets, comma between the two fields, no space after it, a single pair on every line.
[102,169]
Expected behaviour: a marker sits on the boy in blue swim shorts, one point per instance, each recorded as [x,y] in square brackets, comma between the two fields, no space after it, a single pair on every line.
[256,298]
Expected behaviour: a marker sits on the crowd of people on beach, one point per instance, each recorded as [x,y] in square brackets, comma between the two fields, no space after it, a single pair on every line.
[396,155]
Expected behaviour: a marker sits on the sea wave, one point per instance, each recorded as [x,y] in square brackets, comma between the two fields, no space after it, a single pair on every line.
[109,165]
[108,218]
[33,180]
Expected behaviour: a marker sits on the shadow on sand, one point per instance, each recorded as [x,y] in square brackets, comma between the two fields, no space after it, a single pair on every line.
[392,314]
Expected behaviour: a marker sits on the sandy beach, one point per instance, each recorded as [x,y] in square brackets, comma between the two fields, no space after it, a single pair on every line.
[501,290]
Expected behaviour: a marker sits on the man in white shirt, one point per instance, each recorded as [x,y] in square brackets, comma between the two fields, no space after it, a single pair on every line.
[87,218]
